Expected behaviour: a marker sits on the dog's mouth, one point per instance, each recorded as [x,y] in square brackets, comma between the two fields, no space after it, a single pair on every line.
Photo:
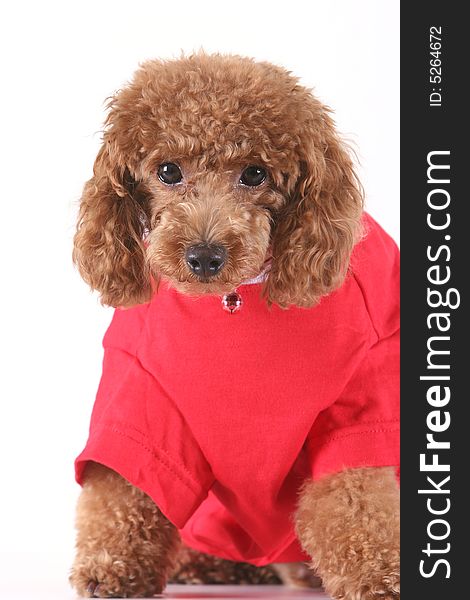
[224,283]
[204,280]
[202,286]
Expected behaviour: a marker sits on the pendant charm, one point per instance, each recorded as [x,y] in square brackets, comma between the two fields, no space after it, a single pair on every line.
[232,302]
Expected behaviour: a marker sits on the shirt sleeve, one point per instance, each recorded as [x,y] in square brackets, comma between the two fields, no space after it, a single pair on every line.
[137,431]
[361,428]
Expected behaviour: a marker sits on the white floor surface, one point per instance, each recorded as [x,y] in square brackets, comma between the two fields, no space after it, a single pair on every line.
[176,592]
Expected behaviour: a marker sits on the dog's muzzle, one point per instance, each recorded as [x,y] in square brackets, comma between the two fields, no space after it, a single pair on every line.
[206,260]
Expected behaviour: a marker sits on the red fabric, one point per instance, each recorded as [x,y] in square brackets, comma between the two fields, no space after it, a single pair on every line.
[219,418]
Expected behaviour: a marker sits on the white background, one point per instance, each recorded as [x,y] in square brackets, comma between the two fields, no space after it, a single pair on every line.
[59,61]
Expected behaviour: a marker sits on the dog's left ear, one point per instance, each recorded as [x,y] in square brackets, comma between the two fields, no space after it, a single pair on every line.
[314,236]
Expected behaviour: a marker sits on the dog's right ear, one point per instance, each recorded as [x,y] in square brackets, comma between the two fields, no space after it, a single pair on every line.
[108,245]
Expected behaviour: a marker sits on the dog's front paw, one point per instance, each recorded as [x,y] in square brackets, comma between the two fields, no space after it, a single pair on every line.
[103,576]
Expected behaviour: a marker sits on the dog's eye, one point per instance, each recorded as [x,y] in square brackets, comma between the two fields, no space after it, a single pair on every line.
[253,175]
[169,173]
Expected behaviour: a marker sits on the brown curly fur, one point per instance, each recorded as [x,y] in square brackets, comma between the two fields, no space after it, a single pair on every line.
[125,546]
[200,568]
[349,523]
[214,115]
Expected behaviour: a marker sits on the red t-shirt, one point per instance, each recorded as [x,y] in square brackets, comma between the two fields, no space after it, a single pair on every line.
[219,418]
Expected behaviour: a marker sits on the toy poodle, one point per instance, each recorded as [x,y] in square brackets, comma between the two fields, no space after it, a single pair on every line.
[248,406]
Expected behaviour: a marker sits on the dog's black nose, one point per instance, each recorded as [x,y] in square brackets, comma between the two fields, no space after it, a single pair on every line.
[206,260]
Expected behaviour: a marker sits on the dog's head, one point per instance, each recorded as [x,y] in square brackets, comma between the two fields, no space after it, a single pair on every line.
[210,165]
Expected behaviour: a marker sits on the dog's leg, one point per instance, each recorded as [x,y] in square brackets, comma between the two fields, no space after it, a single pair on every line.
[125,546]
[199,568]
[349,524]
